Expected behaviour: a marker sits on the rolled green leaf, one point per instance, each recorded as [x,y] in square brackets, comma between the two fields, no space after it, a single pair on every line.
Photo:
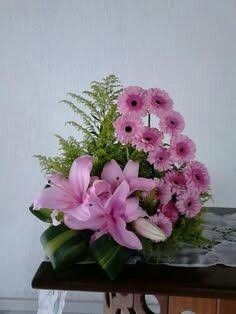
[43,214]
[111,256]
[63,246]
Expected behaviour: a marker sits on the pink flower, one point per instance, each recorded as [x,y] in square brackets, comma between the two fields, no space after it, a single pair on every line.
[101,190]
[177,181]
[163,223]
[114,175]
[171,122]
[69,195]
[197,176]
[170,211]
[128,128]
[158,100]
[148,139]
[111,217]
[188,203]
[182,149]
[132,100]
[160,158]
[163,191]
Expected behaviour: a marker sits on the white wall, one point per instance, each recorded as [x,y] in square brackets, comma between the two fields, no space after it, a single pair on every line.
[48,48]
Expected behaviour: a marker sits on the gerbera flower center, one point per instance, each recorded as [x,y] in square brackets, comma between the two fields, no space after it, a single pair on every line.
[147,138]
[181,149]
[189,203]
[133,103]
[197,177]
[159,101]
[172,122]
[128,129]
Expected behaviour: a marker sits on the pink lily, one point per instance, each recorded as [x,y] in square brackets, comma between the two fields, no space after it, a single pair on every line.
[111,216]
[69,195]
[113,174]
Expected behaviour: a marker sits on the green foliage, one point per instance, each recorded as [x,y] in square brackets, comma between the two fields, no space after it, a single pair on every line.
[43,214]
[110,255]
[97,110]
[69,150]
[63,246]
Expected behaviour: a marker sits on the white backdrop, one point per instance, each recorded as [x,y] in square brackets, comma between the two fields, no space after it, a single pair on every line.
[49,48]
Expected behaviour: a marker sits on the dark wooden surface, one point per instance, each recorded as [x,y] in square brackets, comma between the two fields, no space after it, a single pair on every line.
[208,282]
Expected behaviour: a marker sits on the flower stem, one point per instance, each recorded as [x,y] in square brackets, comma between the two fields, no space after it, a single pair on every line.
[149,120]
[127,152]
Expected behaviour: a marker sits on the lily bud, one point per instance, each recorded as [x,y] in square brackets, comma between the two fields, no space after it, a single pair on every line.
[147,229]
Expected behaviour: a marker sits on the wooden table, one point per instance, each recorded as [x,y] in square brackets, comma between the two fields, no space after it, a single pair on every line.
[206,290]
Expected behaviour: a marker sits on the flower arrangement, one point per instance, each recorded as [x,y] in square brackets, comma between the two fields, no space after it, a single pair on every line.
[131,187]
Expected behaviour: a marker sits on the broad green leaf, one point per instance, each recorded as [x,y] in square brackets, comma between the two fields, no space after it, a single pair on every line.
[110,255]
[63,246]
[43,214]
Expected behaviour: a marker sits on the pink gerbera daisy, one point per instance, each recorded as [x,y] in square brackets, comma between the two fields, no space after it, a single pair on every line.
[182,149]
[177,181]
[163,223]
[128,128]
[132,100]
[188,203]
[171,122]
[158,100]
[163,191]
[197,176]
[170,211]
[160,158]
[149,139]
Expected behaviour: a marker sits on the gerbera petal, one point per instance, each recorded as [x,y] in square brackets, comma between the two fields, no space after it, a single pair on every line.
[112,173]
[141,184]
[122,236]
[131,169]
[79,176]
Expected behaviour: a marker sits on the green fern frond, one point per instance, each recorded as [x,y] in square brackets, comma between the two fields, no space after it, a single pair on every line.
[50,165]
[98,138]
[87,120]
[85,102]
[79,127]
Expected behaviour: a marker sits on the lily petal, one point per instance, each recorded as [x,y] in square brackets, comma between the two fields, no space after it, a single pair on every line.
[98,234]
[132,210]
[119,196]
[141,184]
[122,236]
[95,221]
[81,212]
[131,169]
[60,181]
[79,176]
[55,198]
[112,173]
